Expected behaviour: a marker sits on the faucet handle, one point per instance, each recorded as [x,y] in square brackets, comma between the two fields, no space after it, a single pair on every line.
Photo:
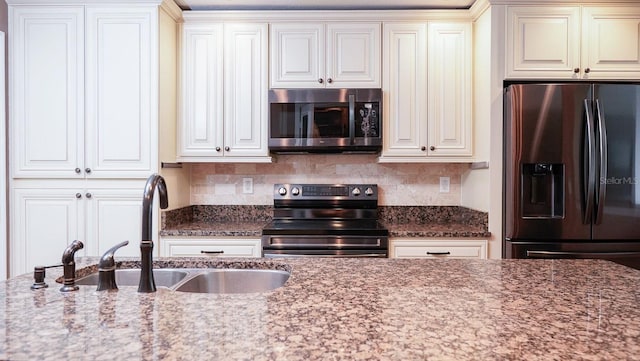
[107,268]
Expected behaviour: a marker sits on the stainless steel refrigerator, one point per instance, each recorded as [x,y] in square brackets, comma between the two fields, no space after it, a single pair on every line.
[572,171]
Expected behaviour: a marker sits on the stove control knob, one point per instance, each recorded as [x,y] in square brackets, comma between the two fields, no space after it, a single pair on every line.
[282,191]
[356,191]
[295,191]
[368,191]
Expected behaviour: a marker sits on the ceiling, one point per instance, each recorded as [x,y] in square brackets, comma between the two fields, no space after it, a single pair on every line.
[321,4]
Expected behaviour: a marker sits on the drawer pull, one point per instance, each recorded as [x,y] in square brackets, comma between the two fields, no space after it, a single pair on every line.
[212,252]
[438,253]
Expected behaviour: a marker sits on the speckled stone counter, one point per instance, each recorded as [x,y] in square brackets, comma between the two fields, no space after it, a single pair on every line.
[401,221]
[342,309]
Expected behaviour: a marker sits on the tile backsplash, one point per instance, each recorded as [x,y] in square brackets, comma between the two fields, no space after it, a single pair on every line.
[413,184]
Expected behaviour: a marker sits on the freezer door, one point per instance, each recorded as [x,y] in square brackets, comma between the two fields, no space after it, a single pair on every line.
[617,215]
[626,253]
[545,161]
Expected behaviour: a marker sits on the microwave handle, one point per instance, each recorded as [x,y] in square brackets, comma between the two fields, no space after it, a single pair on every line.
[352,118]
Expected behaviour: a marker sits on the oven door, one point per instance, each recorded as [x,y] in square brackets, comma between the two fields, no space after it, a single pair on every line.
[324,246]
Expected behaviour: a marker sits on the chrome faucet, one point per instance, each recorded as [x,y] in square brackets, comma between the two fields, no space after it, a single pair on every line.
[69,266]
[107,268]
[147,283]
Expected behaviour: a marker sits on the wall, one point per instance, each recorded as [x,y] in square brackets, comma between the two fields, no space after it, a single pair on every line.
[4,188]
[177,179]
[400,184]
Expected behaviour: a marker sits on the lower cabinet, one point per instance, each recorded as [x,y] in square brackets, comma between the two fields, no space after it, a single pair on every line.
[438,248]
[45,220]
[210,247]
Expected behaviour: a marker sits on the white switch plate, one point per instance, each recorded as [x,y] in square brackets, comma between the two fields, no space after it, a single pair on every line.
[444,184]
[247,185]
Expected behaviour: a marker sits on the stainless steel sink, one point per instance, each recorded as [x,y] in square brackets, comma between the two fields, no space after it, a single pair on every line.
[230,280]
[202,280]
[164,277]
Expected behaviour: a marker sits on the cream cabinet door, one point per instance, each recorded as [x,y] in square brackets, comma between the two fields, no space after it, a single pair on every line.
[113,216]
[449,90]
[210,247]
[121,91]
[47,91]
[404,86]
[297,55]
[353,55]
[325,55]
[245,90]
[43,223]
[543,42]
[438,248]
[611,42]
[200,125]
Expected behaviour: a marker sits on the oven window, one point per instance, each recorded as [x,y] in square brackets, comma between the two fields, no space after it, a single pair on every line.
[305,120]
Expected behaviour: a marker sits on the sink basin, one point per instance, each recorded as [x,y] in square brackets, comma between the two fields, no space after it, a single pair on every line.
[201,280]
[164,277]
[229,280]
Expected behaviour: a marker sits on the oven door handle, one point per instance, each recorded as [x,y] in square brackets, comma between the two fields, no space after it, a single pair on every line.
[293,255]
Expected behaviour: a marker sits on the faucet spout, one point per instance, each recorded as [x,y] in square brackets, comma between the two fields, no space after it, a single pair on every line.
[147,283]
[69,266]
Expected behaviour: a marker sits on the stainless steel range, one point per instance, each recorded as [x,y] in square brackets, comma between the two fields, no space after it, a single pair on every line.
[325,220]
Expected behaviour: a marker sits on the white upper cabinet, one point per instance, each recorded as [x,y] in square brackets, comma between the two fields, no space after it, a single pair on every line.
[450,83]
[245,90]
[200,130]
[427,92]
[404,88]
[319,55]
[224,93]
[121,109]
[83,85]
[573,42]
[47,91]
[611,42]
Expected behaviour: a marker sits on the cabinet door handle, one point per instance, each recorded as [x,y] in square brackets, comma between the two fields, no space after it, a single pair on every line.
[423,148]
[212,252]
[320,81]
[217,149]
[329,80]
[576,70]
[78,170]
[88,195]
[438,253]
[587,71]
[432,148]
[88,170]
[78,195]
[227,148]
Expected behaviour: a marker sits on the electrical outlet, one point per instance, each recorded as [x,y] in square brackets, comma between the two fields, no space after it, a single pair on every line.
[444,184]
[247,185]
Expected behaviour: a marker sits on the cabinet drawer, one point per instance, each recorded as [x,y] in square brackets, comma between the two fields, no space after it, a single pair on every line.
[439,249]
[227,247]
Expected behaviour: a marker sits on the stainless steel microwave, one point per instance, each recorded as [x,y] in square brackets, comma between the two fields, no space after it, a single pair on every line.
[325,120]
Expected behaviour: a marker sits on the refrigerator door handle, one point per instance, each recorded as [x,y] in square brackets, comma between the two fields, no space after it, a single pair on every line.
[589,180]
[601,184]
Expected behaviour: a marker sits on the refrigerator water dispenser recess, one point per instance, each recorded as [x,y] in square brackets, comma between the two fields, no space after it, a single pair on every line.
[542,190]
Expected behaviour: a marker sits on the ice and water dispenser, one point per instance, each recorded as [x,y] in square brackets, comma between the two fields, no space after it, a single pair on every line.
[542,190]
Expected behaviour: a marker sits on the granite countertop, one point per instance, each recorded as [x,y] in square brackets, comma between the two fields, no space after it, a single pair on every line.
[341,309]
[248,221]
